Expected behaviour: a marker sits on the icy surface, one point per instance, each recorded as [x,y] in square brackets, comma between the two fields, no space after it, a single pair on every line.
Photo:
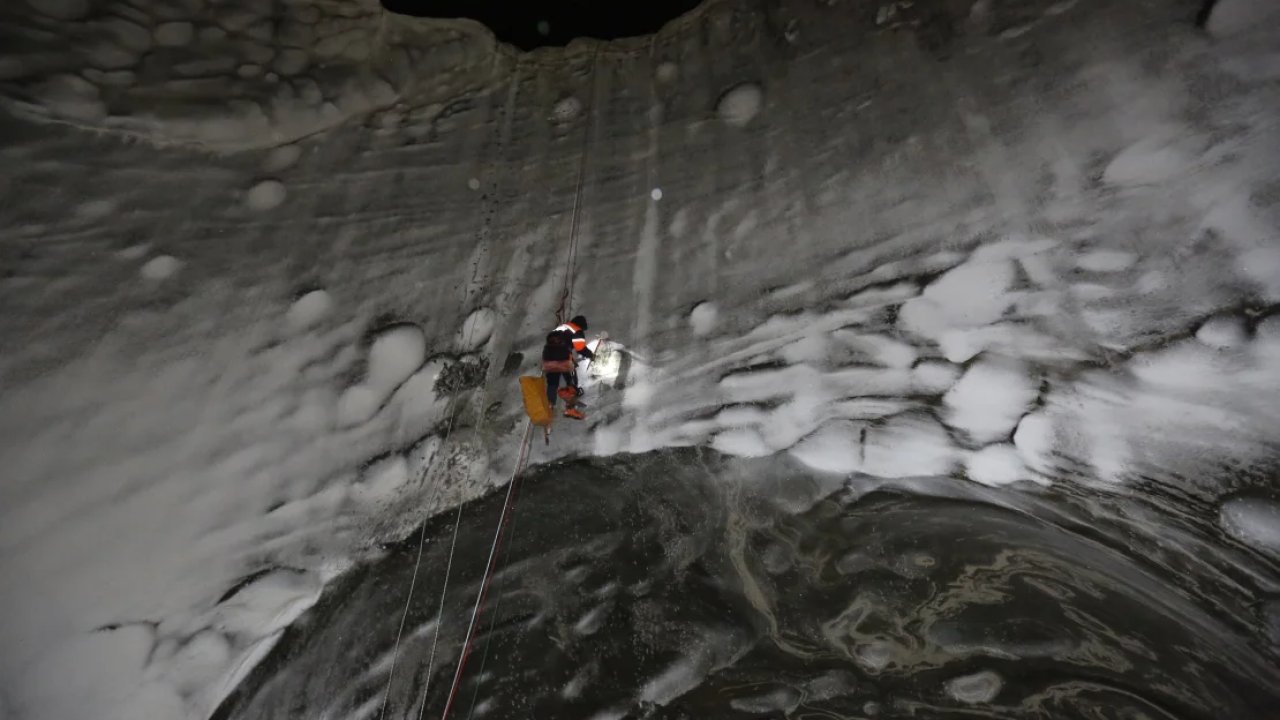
[266,195]
[740,104]
[1223,332]
[308,310]
[161,267]
[703,318]
[1230,17]
[980,687]
[995,465]
[1254,522]
[929,261]
[990,397]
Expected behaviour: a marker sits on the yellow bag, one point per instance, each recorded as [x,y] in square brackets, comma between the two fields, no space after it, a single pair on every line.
[536,404]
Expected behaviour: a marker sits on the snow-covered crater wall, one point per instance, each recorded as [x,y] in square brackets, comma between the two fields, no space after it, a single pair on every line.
[266,274]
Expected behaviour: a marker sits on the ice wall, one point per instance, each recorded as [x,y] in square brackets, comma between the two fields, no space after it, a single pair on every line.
[265,273]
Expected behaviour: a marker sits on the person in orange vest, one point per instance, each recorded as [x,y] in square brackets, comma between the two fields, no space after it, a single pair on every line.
[558,364]
[577,330]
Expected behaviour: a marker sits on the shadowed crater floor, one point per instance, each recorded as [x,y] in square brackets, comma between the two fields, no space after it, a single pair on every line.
[683,584]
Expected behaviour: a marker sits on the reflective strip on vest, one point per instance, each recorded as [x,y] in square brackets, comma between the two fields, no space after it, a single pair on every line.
[579,344]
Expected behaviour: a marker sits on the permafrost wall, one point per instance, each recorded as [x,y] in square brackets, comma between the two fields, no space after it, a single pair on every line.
[265,273]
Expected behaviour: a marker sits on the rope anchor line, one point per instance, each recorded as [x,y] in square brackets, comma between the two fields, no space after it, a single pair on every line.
[504,517]
[526,441]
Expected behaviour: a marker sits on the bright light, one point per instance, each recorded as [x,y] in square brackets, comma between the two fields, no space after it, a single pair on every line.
[656,194]
[607,364]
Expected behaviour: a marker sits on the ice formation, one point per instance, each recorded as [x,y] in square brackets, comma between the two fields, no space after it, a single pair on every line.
[266,195]
[740,104]
[935,266]
[308,310]
[980,687]
[160,267]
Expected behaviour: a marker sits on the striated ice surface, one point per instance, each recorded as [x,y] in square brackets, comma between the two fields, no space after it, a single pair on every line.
[270,273]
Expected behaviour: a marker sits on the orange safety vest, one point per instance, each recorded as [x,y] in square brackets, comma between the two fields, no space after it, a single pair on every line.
[579,344]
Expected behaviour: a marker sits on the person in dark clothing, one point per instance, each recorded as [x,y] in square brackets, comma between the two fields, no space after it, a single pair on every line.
[577,329]
[557,366]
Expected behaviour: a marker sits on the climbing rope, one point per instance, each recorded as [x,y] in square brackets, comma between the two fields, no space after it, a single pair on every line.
[525,442]
[452,410]
[505,516]
[562,312]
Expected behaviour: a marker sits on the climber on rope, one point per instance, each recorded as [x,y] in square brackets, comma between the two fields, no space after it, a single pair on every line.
[559,363]
[577,330]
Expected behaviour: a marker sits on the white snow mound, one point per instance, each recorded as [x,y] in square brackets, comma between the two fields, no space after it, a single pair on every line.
[161,267]
[308,310]
[990,397]
[1254,522]
[266,195]
[740,104]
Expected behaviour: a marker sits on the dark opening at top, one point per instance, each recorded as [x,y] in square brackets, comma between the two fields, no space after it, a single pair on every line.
[529,24]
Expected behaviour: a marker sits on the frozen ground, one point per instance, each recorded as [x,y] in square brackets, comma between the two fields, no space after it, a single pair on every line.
[683,583]
[1028,243]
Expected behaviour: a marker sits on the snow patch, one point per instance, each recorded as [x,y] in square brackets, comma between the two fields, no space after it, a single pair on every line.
[1223,332]
[1034,442]
[161,267]
[903,446]
[1106,261]
[980,687]
[134,252]
[357,405]
[269,603]
[1147,162]
[95,209]
[740,104]
[61,688]
[590,623]
[972,294]
[995,465]
[742,442]
[783,700]
[1254,521]
[908,446]
[266,195]
[566,109]
[703,318]
[935,376]
[199,661]
[1262,265]
[309,310]
[281,158]
[677,679]
[1230,17]
[836,447]
[874,655]
[990,397]
[382,480]
[476,329]
[395,354]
